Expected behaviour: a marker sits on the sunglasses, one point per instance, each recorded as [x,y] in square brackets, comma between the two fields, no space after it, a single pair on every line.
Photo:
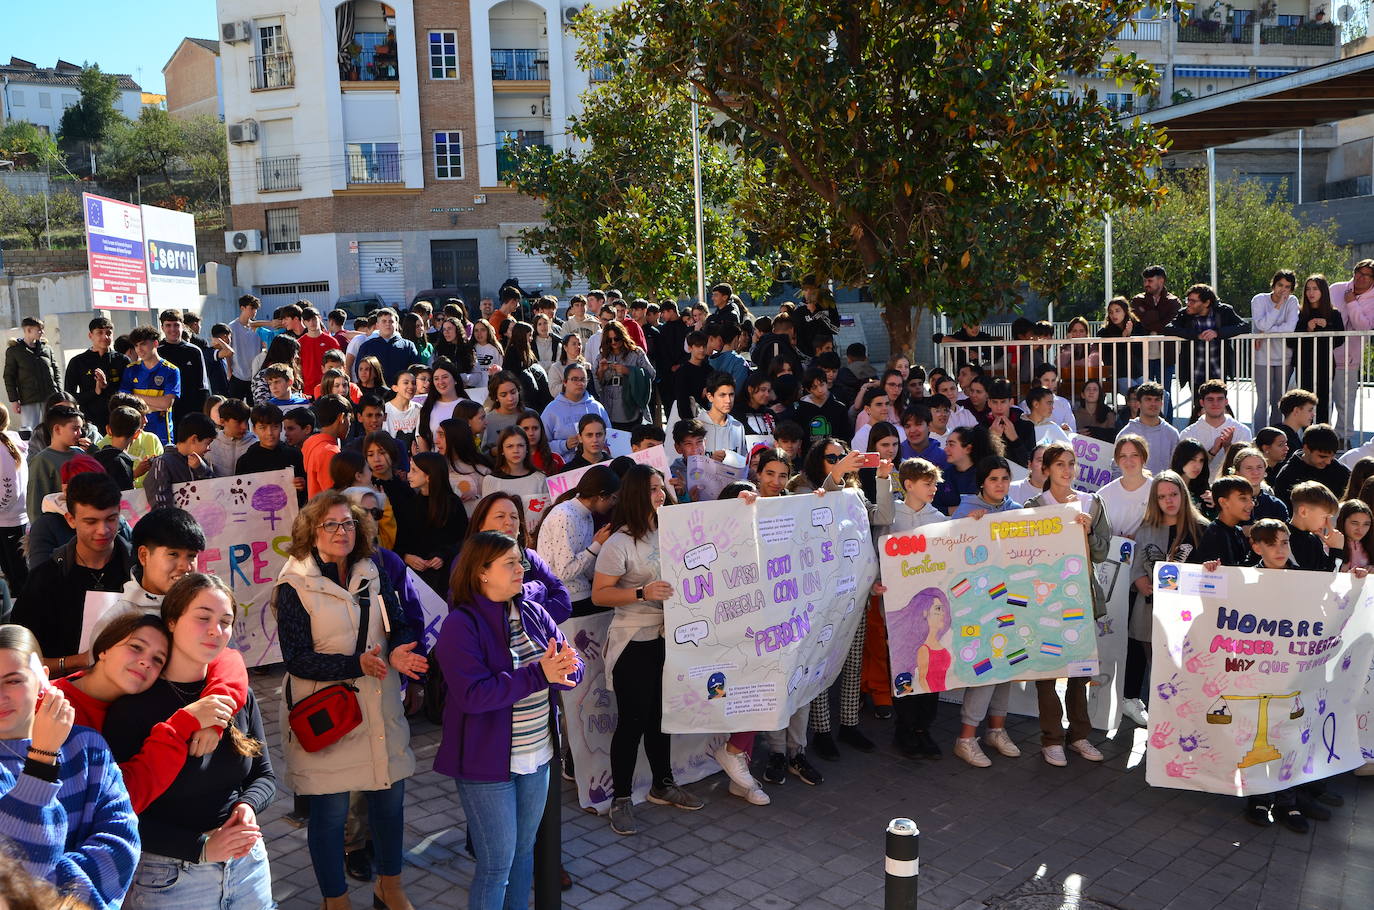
[833,459]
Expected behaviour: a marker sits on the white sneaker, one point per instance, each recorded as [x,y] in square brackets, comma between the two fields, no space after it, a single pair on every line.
[736,767]
[969,751]
[1134,708]
[1365,770]
[1054,755]
[1086,749]
[999,739]
[754,796]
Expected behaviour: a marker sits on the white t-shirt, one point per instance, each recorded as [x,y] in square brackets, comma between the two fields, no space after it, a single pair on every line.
[442,411]
[14,485]
[634,563]
[1125,509]
[1206,435]
[398,421]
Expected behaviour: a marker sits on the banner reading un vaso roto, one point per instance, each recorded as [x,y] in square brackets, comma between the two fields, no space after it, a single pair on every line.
[247,523]
[766,600]
[1258,677]
[973,602]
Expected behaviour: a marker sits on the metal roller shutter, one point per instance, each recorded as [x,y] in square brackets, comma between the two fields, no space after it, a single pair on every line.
[531,271]
[381,270]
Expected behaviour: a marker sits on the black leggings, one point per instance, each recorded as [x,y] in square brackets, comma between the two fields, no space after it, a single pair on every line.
[1137,655]
[638,683]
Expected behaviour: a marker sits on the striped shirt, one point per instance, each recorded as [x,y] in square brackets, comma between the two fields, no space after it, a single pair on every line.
[530,745]
[77,831]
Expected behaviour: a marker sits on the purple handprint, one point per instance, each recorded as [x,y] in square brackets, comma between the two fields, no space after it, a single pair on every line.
[1192,742]
[601,789]
[1308,766]
[587,646]
[1306,734]
[1169,688]
[1286,767]
[1321,702]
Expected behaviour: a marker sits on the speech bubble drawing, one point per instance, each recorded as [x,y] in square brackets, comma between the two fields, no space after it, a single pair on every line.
[850,548]
[825,634]
[822,517]
[798,675]
[700,557]
[691,632]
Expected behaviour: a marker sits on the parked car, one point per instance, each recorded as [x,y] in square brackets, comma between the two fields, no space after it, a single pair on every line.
[356,305]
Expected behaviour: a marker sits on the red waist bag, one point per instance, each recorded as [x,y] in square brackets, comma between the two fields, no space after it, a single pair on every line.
[325,716]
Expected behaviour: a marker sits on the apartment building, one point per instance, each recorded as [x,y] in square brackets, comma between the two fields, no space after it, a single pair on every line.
[40,94]
[370,142]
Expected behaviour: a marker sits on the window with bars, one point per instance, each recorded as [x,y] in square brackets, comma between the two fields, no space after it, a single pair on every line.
[448,155]
[443,55]
[284,230]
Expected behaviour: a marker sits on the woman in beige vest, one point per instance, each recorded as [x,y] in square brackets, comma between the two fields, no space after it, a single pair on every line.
[331,594]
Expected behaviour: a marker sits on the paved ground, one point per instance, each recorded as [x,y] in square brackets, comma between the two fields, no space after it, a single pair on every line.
[1018,836]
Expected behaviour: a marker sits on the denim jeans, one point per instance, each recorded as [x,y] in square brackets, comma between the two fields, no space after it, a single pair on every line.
[503,818]
[239,884]
[328,813]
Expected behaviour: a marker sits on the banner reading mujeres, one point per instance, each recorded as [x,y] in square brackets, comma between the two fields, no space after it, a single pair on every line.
[766,600]
[1258,676]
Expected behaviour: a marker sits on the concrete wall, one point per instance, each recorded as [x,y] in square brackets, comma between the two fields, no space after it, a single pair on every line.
[35,262]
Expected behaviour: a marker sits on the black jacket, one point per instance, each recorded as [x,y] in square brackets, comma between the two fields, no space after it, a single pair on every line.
[31,375]
[52,604]
[80,382]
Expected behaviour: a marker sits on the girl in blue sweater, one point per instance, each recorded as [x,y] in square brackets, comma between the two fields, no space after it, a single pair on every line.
[62,800]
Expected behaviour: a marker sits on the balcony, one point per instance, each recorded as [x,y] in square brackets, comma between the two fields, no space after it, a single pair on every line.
[1142,30]
[507,147]
[272,71]
[370,57]
[280,173]
[1315,34]
[373,167]
[526,64]
[1308,34]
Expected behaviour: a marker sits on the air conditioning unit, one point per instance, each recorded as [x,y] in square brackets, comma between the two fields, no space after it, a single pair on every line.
[570,14]
[235,32]
[243,131]
[546,106]
[243,241]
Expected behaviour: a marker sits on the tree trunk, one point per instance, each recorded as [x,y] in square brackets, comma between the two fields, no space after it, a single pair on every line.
[900,316]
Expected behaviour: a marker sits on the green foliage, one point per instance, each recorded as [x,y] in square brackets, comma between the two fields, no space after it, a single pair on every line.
[148,145]
[24,214]
[204,151]
[27,146]
[915,146]
[92,118]
[619,208]
[1255,238]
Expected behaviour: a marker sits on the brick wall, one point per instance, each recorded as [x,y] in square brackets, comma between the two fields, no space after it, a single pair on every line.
[34,262]
[191,87]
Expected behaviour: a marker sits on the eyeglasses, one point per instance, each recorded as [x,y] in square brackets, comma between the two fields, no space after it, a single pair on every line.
[833,459]
[335,527]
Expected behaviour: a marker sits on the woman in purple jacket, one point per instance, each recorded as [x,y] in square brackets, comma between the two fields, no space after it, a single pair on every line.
[502,656]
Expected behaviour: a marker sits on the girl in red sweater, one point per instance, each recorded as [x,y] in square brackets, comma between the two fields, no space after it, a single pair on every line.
[129,654]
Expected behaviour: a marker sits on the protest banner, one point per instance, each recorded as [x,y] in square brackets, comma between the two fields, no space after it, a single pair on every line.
[247,522]
[1105,689]
[766,600]
[706,477]
[590,714]
[617,443]
[1096,464]
[1259,677]
[974,602]
[751,440]
[133,505]
[654,456]
[432,607]
[1362,718]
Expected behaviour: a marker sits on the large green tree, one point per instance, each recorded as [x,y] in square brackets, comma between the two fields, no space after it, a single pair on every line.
[1257,234]
[619,204]
[152,144]
[95,114]
[924,145]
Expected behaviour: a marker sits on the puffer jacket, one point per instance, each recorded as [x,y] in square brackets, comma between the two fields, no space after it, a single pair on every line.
[31,375]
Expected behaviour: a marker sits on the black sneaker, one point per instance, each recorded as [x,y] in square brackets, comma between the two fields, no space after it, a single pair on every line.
[854,738]
[824,745]
[1258,813]
[882,712]
[927,747]
[1314,810]
[775,772]
[799,766]
[358,863]
[567,768]
[1292,820]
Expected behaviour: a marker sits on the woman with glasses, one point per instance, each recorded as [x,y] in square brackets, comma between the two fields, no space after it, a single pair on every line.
[338,621]
[562,415]
[623,378]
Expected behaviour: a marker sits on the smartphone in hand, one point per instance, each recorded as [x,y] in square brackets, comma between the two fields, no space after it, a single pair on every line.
[869,459]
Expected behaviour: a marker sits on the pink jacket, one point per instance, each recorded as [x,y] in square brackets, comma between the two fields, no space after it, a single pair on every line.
[1359,316]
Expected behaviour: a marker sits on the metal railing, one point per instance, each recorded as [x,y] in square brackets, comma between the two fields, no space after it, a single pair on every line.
[1142,30]
[374,167]
[272,71]
[527,64]
[280,173]
[1347,188]
[1257,369]
[505,160]
[1315,34]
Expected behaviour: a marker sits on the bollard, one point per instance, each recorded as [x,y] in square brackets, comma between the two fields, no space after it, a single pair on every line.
[903,865]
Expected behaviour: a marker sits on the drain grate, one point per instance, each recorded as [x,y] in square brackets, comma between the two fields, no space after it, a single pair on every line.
[1045,894]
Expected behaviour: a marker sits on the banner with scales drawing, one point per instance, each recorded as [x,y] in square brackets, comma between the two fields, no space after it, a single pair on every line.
[1258,677]
[973,602]
[766,600]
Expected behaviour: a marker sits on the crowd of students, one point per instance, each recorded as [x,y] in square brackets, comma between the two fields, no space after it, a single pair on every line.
[424,441]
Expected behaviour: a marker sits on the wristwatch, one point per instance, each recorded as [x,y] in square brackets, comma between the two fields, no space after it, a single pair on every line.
[639,593]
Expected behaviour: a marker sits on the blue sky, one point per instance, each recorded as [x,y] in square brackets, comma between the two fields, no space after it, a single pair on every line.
[134,38]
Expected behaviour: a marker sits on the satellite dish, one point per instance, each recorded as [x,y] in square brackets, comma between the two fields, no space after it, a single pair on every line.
[1345,13]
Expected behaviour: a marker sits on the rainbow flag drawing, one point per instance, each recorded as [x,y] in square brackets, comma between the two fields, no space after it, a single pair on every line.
[1006,619]
[1015,657]
[1073,613]
[982,666]
[1016,600]
[997,590]
[961,587]
[1052,649]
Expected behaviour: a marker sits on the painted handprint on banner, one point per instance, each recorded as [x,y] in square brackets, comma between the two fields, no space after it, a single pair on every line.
[587,646]
[1198,664]
[1191,742]
[1286,766]
[1170,688]
[1214,686]
[601,789]
[1162,735]
[1182,769]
